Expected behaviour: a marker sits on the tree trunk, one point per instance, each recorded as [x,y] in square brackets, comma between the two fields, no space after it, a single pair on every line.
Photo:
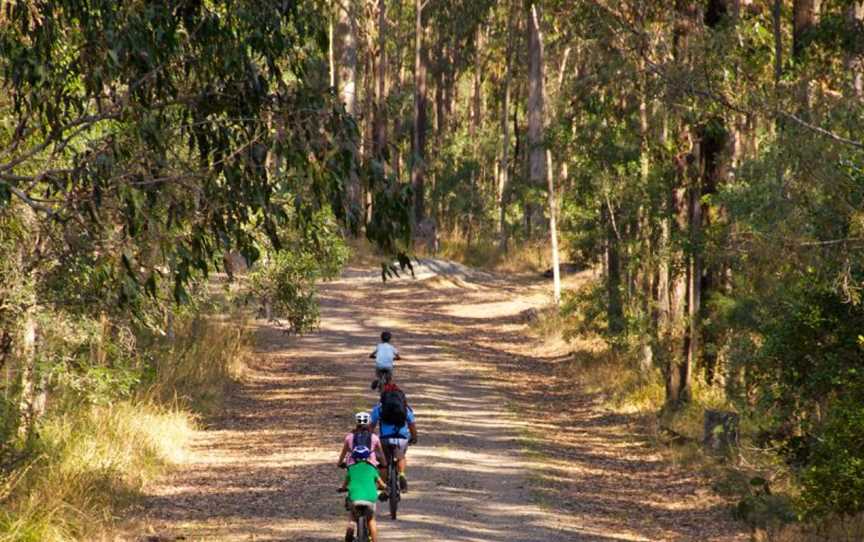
[678,373]
[856,65]
[380,140]
[694,276]
[439,78]
[714,143]
[679,330]
[536,113]
[419,147]
[477,98]
[345,52]
[805,18]
[649,340]
[615,309]
[553,232]
[504,170]
[28,403]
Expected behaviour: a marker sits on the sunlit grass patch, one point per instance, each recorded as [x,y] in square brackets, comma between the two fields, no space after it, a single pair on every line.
[485,254]
[87,465]
[198,369]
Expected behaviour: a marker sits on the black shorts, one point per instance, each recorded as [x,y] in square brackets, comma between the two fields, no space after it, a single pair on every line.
[370,510]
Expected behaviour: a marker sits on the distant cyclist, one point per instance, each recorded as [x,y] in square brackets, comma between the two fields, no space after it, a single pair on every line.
[384,355]
[397,426]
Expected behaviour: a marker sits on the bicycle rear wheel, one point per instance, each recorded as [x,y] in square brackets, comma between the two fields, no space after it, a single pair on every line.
[393,484]
[362,527]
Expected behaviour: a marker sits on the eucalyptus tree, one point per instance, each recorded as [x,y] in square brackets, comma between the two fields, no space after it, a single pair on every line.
[141,141]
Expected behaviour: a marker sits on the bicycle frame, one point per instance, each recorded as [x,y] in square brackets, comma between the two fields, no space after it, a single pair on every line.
[361,534]
[384,378]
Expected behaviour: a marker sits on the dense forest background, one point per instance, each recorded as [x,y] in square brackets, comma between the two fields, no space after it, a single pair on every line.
[706,155]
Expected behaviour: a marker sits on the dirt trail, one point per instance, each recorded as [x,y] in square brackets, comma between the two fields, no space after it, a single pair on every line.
[265,470]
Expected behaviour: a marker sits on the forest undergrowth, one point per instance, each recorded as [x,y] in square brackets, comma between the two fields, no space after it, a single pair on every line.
[757,479]
[87,460]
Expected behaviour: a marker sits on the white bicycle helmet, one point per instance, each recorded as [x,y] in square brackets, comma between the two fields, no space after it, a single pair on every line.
[362,418]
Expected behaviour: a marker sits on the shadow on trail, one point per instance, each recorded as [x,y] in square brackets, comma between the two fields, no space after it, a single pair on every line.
[266,467]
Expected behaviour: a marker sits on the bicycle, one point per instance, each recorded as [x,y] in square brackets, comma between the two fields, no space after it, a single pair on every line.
[362,511]
[384,376]
[392,479]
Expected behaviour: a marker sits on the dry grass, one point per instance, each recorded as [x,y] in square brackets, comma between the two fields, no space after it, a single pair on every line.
[91,461]
[363,253]
[614,375]
[200,366]
[88,465]
[522,258]
[839,529]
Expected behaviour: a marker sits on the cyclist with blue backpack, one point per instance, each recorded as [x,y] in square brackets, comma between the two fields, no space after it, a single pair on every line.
[396,426]
[360,439]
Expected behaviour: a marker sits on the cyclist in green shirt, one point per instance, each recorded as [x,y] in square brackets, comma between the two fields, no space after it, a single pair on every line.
[363,483]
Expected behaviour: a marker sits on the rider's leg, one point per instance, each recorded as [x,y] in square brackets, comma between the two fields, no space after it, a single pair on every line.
[402,464]
[349,531]
[373,527]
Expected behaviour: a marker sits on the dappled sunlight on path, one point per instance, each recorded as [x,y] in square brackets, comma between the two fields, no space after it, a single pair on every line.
[265,469]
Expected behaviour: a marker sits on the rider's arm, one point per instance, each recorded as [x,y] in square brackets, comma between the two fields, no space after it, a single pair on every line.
[413,429]
[343,453]
[379,451]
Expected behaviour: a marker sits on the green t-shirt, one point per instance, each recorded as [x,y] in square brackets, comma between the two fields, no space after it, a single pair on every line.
[361,482]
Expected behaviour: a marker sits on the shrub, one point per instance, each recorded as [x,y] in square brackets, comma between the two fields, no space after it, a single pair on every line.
[833,480]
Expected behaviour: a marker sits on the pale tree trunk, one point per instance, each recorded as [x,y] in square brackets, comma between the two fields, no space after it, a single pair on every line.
[477,98]
[694,278]
[381,87]
[24,344]
[805,17]
[679,328]
[553,232]
[504,169]
[536,109]
[379,138]
[646,360]
[28,402]
[419,162]
[661,315]
[678,373]
[331,55]
[345,54]
[856,65]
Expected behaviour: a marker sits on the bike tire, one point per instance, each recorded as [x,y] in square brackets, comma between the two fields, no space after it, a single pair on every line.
[393,486]
[362,528]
